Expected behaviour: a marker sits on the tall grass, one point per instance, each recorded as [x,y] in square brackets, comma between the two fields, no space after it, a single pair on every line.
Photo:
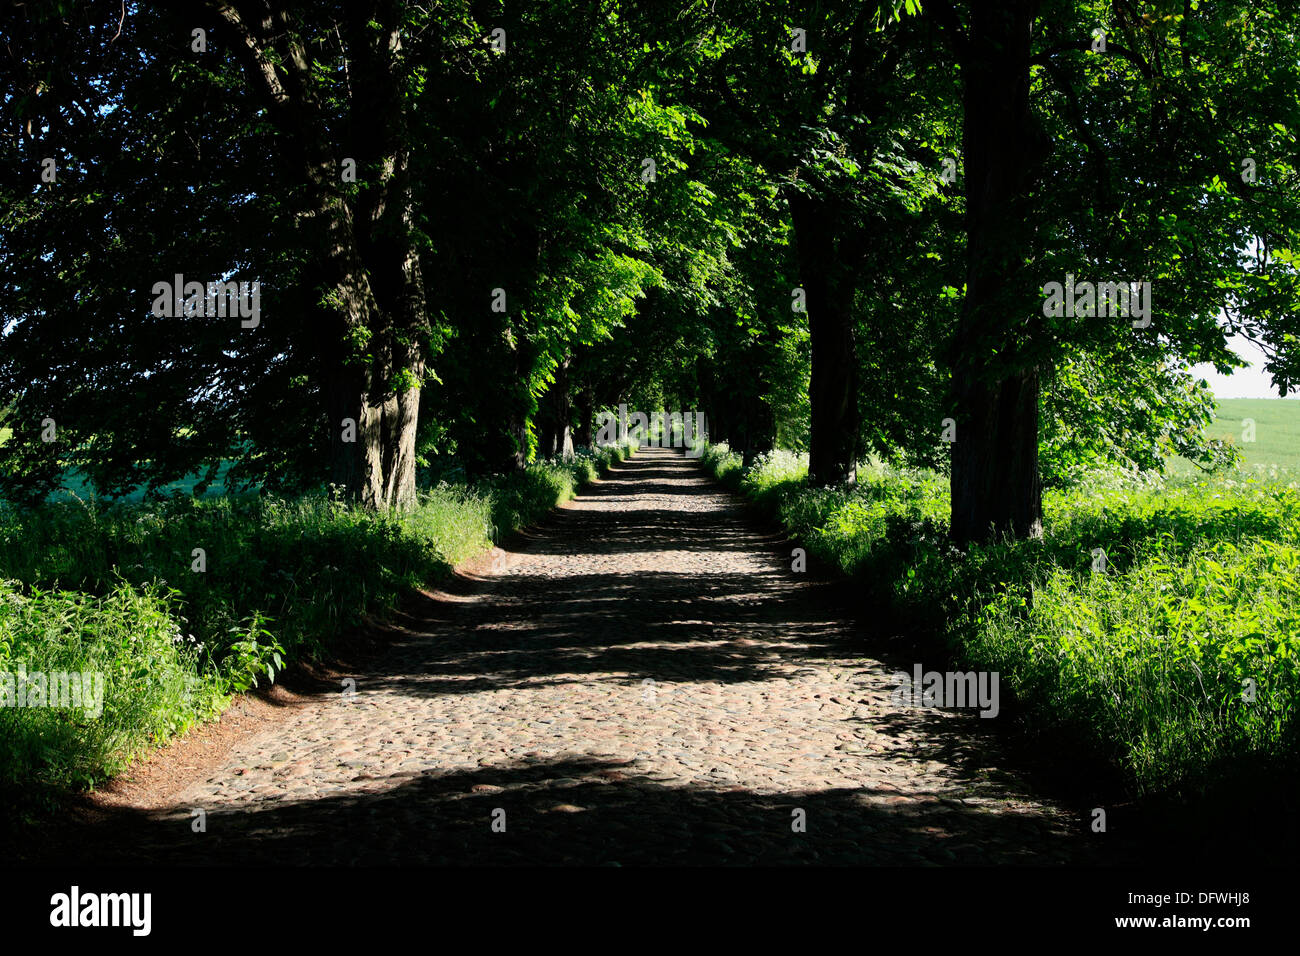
[153,686]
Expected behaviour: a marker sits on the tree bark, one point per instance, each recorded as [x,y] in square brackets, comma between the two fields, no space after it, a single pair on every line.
[555,419]
[996,487]
[832,389]
[380,142]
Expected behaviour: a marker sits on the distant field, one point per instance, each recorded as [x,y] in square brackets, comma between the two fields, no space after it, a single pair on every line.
[75,485]
[1277,435]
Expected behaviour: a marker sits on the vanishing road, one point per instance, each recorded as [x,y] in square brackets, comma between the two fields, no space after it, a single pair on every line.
[641,680]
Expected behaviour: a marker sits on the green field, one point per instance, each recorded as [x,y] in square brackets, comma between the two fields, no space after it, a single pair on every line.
[76,486]
[1275,452]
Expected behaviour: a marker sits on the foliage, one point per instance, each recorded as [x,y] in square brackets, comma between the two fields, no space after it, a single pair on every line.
[504,264]
[154,685]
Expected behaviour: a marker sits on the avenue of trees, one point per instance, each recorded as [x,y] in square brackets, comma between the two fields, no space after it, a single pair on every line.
[827,225]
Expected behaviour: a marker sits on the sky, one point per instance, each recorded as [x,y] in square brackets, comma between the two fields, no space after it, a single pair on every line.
[1250,382]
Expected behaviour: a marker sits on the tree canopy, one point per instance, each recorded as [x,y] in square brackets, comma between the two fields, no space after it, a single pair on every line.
[831,227]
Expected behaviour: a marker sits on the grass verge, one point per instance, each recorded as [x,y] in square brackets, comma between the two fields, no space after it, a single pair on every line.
[168,608]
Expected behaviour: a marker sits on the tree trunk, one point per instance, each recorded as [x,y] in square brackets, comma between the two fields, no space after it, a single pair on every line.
[521,408]
[401,416]
[386,236]
[832,391]
[399,288]
[554,422]
[366,259]
[517,428]
[996,487]
[356,468]
[586,406]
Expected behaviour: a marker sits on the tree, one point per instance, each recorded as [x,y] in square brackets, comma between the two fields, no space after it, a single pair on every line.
[374,327]
[1044,202]
[814,93]
[995,480]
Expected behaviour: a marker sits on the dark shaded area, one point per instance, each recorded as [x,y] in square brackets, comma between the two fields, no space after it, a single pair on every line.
[580,811]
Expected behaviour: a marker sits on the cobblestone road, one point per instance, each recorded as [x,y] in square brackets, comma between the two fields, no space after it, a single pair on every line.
[642,681]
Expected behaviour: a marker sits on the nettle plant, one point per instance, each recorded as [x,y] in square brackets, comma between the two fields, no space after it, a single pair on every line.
[254,652]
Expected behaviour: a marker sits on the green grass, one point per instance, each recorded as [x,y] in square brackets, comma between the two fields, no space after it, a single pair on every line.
[1275,452]
[1179,662]
[153,685]
[111,588]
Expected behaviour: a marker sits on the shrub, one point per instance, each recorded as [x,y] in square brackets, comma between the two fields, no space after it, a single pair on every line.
[153,686]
